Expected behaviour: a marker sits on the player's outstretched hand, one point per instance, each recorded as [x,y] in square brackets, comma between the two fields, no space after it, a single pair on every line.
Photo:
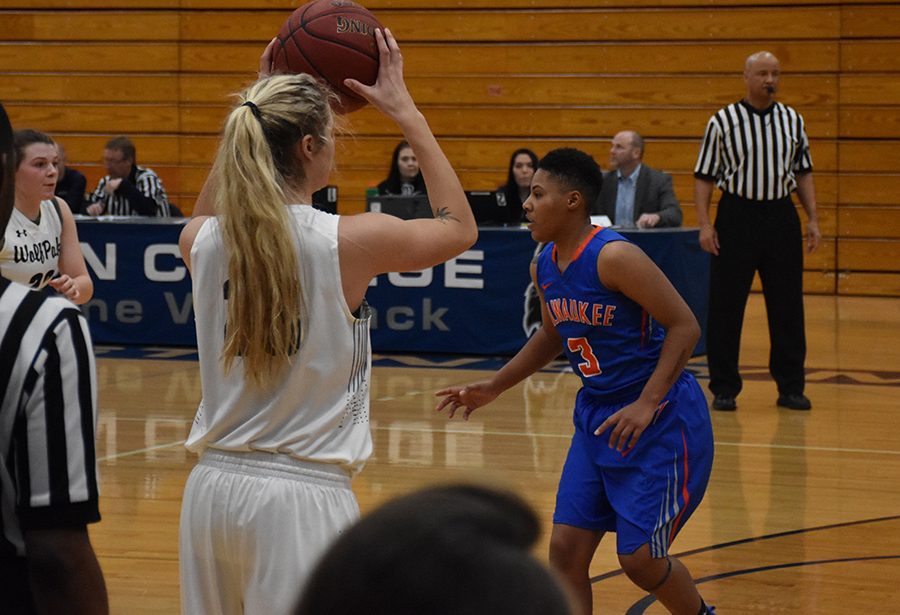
[627,425]
[468,397]
[389,94]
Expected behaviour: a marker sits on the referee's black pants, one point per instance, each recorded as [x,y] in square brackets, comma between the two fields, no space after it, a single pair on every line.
[763,236]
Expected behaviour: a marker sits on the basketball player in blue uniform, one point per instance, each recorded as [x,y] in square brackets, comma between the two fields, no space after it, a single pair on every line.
[642,451]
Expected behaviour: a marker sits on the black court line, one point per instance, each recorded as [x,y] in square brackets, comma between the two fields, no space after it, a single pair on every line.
[641,605]
[725,545]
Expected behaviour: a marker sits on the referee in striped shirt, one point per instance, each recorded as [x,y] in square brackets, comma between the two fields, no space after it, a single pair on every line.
[757,152]
[129,189]
[48,417]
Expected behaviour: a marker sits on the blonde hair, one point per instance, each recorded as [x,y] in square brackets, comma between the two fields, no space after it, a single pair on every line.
[255,162]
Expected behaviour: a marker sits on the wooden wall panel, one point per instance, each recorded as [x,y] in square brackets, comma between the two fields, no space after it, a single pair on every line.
[110,119]
[89,26]
[818,282]
[871,284]
[869,129]
[868,254]
[790,23]
[566,90]
[823,259]
[93,4]
[876,20]
[378,5]
[873,122]
[870,189]
[94,57]
[483,121]
[867,56]
[828,218]
[870,89]
[870,156]
[590,57]
[491,76]
[870,222]
[94,88]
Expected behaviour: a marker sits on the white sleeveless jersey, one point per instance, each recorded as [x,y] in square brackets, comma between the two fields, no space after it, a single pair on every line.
[320,409]
[30,254]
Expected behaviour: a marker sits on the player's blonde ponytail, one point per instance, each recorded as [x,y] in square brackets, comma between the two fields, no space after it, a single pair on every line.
[254,165]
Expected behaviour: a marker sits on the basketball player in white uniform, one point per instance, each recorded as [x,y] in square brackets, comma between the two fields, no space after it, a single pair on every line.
[283,336]
[40,245]
[30,254]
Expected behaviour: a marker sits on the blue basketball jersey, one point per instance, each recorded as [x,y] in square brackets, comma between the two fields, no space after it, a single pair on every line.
[611,342]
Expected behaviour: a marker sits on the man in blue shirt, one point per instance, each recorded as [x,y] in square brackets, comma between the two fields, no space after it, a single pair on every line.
[633,194]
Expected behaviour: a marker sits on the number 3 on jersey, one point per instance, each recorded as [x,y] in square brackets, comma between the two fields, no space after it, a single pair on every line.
[590,367]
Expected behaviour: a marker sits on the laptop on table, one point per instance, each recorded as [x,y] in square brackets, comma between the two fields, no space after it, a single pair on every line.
[406,207]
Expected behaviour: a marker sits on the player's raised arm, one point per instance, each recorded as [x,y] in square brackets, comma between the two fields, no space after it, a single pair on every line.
[391,244]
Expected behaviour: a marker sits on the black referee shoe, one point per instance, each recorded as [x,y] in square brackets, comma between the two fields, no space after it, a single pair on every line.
[794,401]
[724,402]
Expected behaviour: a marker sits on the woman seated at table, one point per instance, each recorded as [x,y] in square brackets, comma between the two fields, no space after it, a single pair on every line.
[404,178]
[522,164]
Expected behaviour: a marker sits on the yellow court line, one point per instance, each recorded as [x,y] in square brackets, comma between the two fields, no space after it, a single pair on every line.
[141,450]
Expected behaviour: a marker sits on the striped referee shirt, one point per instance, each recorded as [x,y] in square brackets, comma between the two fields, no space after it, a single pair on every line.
[139,194]
[48,417]
[754,154]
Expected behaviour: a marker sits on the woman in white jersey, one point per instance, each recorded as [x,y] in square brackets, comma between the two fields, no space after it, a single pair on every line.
[40,246]
[283,335]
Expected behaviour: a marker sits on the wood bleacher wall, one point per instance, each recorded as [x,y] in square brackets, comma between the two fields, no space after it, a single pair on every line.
[491,76]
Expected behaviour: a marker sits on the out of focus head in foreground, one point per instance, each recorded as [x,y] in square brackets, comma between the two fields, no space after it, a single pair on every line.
[444,550]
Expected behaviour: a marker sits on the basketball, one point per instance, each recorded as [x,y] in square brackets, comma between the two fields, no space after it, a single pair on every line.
[331,40]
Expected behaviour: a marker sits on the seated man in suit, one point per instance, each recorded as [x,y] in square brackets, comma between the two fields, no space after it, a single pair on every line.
[633,194]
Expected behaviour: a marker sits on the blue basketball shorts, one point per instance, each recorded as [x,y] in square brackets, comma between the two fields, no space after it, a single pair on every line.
[644,494]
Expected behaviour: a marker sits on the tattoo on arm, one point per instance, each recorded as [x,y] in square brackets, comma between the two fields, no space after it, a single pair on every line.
[443,214]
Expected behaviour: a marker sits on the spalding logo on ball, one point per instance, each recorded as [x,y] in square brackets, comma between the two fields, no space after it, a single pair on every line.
[331,40]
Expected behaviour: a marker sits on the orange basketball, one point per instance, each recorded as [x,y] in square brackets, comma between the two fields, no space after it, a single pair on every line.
[331,40]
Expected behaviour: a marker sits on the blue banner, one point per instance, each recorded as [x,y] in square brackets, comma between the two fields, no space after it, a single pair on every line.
[473,304]
[142,289]
[477,303]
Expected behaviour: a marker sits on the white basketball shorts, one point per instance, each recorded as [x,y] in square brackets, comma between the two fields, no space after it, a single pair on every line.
[253,526]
